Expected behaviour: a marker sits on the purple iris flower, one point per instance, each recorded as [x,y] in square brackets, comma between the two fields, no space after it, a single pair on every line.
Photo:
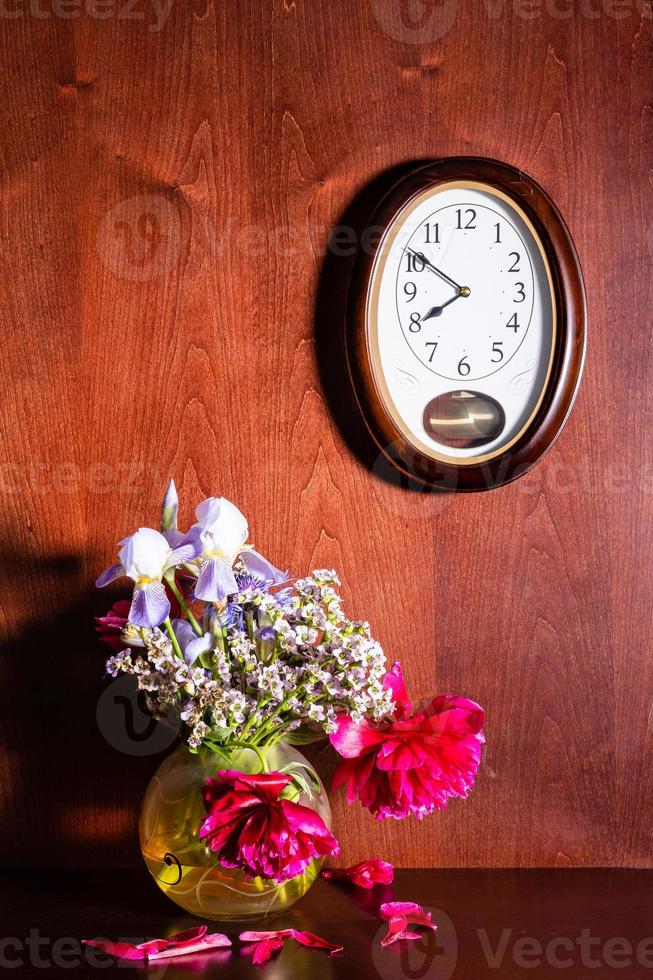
[145,557]
[220,536]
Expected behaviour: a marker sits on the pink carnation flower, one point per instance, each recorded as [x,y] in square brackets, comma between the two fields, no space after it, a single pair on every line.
[249,826]
[110,626]
[414,763]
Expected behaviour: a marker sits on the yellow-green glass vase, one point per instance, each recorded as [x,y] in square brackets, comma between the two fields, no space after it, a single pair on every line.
[180,863]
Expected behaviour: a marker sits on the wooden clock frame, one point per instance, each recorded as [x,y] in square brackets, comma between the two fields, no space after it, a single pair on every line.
[570,341]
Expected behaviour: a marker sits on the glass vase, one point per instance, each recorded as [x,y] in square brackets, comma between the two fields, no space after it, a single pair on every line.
[180,863]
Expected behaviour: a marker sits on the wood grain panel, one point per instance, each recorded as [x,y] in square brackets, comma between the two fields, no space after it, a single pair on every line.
[169,306]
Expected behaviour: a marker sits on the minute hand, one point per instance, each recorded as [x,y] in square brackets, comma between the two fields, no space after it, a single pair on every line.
[438,272]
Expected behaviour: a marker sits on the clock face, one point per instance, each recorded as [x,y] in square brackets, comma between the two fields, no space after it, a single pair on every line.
[461,321]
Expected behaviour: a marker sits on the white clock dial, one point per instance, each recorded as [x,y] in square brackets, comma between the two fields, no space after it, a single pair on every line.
[461,321]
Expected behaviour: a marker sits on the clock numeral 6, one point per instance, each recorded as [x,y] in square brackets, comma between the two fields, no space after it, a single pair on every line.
[463,367]
[497,348]
[415,325]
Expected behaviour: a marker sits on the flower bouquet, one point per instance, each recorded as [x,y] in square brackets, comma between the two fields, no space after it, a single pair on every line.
[248,664]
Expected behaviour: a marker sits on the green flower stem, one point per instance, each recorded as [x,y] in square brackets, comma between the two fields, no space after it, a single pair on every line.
[250,720]
[173,638]
[184,605]
[275,714]
[254,748]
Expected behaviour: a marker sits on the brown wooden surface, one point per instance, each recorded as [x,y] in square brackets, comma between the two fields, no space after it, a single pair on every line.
[167,309]
[512,924]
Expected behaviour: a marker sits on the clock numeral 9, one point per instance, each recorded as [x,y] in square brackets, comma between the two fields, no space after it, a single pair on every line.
[497,348]
[410,289]
[414,326]
[470,215]
[463,367]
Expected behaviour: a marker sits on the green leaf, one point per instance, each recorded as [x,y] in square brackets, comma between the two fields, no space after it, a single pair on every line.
[304,735]
[298,771]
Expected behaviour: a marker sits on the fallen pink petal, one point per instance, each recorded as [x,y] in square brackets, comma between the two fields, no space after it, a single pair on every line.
[268,943]
[365,874]
[399,915]
[315,942]
[193,940]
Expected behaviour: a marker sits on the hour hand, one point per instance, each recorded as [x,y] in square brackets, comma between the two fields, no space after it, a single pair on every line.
[437,310]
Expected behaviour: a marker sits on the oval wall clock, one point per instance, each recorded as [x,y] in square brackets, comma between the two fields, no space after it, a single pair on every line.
[466,324]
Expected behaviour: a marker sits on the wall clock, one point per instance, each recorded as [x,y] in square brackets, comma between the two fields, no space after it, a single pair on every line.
[466,324]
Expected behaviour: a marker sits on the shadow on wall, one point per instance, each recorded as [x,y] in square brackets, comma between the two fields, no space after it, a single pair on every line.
[77,752]
[353,226]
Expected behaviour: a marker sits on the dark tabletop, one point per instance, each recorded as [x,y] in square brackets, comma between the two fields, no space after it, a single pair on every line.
[508,924]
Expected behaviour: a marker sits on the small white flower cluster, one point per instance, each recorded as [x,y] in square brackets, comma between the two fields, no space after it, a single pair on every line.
[276,666]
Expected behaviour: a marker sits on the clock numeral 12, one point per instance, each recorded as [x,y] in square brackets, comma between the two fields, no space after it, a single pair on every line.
[470,214]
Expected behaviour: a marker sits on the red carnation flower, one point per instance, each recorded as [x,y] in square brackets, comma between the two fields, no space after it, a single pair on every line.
[415,763]
[249,826]
[109,627]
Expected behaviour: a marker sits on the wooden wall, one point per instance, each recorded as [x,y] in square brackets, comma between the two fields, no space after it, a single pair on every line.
[168,307]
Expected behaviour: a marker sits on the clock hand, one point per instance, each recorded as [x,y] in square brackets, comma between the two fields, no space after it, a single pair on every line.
[437,310]
[462,290]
